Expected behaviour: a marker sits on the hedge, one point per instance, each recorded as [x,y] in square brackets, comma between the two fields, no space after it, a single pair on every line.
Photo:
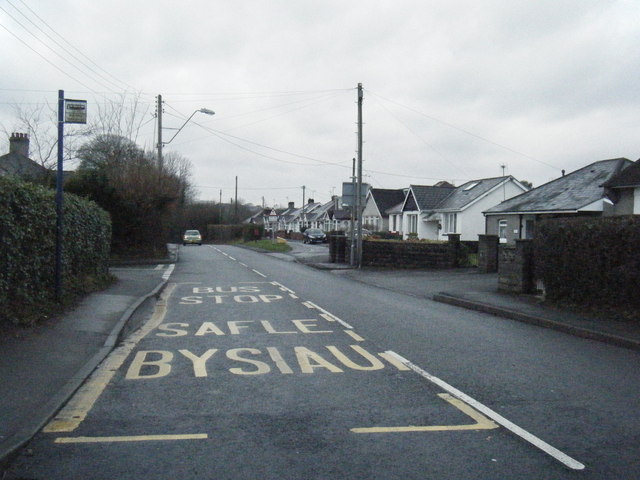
[28,239]
[590,261]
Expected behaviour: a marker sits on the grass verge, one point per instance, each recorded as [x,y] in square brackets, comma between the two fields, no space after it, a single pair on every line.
[266,244]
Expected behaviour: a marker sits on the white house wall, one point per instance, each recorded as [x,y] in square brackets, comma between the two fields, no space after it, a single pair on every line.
[471,221]
[636,201]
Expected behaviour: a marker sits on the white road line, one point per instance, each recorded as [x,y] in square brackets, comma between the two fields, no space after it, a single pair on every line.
[261,274]
[532,439]
[282,287]
[168,272]
[244,264]
[340,321]
[231,258]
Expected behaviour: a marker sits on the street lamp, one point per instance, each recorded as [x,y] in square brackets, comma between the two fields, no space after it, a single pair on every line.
[160,142]
[202,110]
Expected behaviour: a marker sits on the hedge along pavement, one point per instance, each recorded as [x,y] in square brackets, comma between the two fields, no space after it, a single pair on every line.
[590,261]
[28,240]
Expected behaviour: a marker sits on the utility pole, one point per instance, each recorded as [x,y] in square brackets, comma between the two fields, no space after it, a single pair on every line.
[359,182]
[235,212]
[159,115]
[352,237]
[220,208]
[304,205]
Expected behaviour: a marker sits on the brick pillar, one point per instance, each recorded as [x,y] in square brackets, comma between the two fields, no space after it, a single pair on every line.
[454,249]
[488,253]
[515,273]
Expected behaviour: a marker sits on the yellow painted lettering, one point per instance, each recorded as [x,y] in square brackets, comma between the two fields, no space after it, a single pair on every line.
[161,366]
[171,330]
[199,363]
[306,356]
[190,300]
[245,299]
[306,324]
[261,367]
[203,290]
[218,298]
[269,328]
[374,363]
[270,298]
[207,328]
[226,289]
[274,353]
[234,327]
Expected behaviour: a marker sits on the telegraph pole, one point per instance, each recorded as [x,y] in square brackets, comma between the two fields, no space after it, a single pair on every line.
[359,181]
[159,114]
[304,205]
[235,212]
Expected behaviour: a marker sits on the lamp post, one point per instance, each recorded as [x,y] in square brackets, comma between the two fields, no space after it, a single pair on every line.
[161,144]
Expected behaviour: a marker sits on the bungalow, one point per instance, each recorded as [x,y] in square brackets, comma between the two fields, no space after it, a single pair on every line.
[623,190]
[433,212]
[579,193]
[17,162]
[379,200]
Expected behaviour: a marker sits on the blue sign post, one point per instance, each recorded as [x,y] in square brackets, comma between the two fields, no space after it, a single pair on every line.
[75,112]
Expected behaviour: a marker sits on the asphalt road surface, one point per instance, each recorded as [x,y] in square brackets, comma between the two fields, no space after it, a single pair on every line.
[256,368]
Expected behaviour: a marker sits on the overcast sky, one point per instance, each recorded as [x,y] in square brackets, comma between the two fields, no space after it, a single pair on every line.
[453,90]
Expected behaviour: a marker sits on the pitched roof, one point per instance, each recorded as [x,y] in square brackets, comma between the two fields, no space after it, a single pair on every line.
[628,177]
[386,198]
[21,166]
[470,191]
[426,197]
[569,193]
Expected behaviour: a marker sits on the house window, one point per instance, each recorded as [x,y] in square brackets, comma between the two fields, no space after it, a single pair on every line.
[450,222]
[413,223]
[502,231]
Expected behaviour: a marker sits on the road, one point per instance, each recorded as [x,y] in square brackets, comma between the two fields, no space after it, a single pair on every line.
[253,367]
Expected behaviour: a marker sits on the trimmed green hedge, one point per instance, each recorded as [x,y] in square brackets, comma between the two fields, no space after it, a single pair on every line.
[28,239]
[590,261]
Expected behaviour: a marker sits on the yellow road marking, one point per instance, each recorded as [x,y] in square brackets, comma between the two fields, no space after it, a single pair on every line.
[482,422]
[354,335]
[135,438]
[72,415]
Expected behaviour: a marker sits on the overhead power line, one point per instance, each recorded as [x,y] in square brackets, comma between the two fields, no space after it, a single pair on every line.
[122,83]
[479,137]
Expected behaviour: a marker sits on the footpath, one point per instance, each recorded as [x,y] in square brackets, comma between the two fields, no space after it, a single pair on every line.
[42,368]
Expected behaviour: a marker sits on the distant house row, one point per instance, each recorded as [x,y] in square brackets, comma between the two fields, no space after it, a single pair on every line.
[504,206]
[500,206]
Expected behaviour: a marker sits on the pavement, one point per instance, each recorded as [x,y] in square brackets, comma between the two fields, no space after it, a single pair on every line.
[41,368]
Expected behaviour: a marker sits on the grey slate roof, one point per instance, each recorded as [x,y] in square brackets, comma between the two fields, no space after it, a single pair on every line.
[570,193]
[18,165]
[386,198]
[629,177]
[426,197]
[463,195]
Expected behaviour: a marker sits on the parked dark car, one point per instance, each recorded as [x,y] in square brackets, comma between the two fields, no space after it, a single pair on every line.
[314,235]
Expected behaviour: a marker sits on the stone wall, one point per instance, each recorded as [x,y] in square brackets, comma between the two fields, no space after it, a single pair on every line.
[515,267]
[411,254]
[488,253]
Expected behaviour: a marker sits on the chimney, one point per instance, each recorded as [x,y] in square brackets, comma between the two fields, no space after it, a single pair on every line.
[310,201]
[19,143]
[291,205]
